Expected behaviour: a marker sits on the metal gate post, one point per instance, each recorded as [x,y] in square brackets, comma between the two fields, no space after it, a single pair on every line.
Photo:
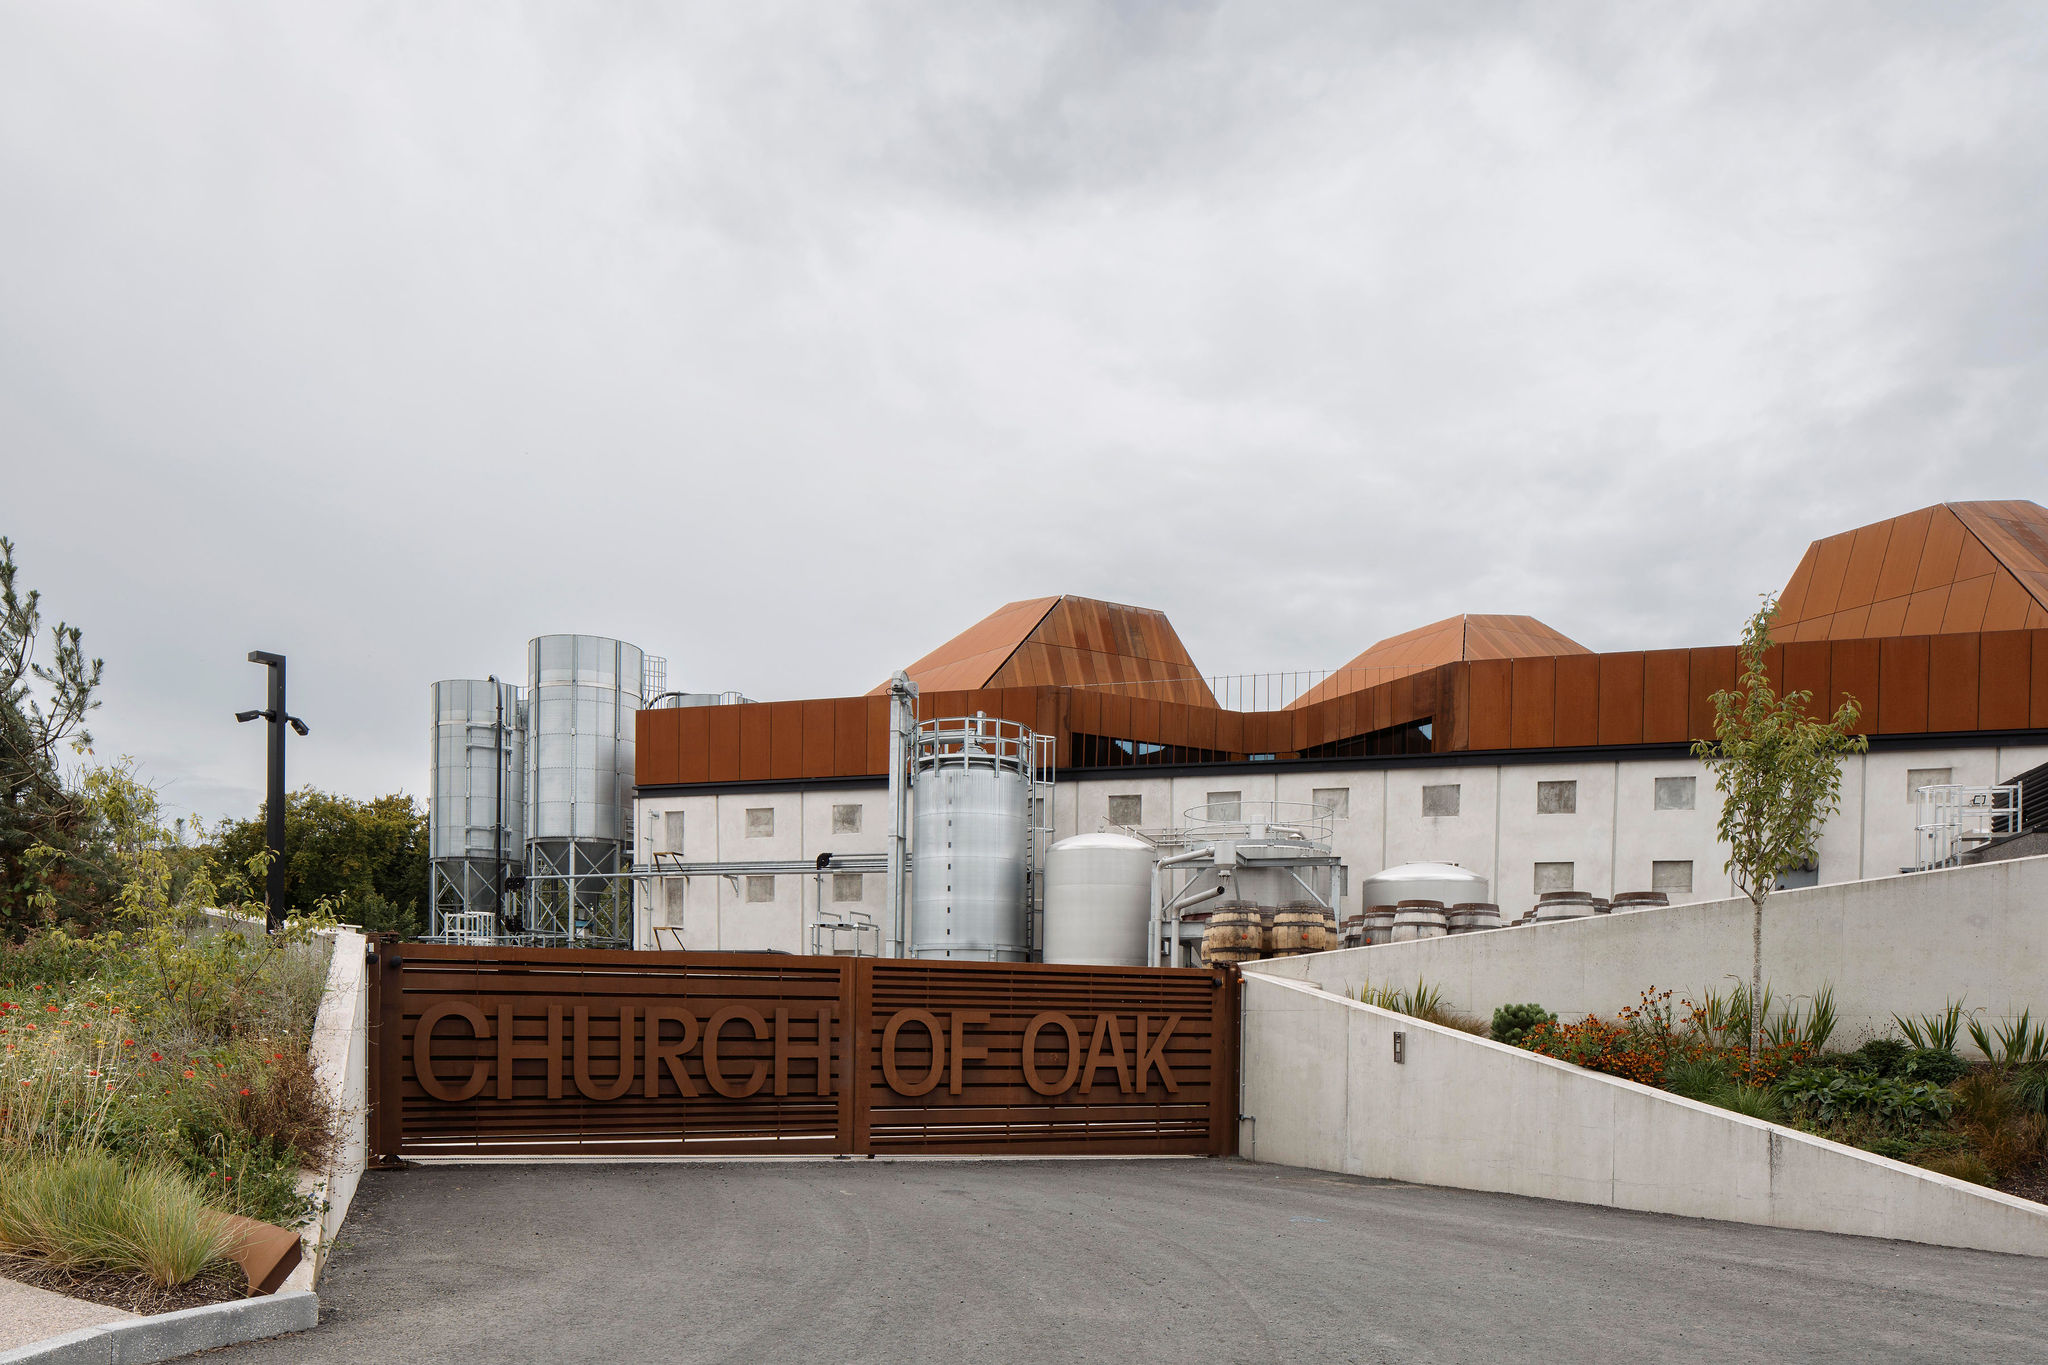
[386,1059]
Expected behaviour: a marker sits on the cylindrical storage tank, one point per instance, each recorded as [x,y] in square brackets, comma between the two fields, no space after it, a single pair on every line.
[970,796]
[1414,919]
[476,798]
[1098,900]
[1444,883]
[583,693]
[1236,933]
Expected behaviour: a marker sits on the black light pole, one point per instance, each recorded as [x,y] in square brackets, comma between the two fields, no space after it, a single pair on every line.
[275,713]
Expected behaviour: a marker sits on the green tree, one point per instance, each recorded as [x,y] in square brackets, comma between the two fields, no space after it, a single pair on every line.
[1779,772]
[43,820]
[366,858]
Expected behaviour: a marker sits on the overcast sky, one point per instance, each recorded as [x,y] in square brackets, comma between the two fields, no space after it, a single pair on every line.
[786,341]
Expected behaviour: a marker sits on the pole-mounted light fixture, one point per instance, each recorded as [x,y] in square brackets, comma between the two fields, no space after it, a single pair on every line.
[279,718]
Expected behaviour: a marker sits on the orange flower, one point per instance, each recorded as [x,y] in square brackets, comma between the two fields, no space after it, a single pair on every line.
[190,1073]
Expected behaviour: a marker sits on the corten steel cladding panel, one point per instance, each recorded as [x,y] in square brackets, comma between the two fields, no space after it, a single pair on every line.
[760,1053]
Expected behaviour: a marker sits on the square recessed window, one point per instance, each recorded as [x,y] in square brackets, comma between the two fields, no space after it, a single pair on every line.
[1916,778]
[1441,799]
[1675,875]
[672,831]
[1127,810]
[846,886]
[846,819]
[1557,798]
[1677,793]
[760,890]
[760,822]
[1333,801]
[1553,877]
[1226,805]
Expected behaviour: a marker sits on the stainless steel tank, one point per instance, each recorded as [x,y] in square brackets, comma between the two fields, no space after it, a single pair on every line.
[971,791]
[1098,900]
[476,797]
[583,693]
[582,696]
[1422,882]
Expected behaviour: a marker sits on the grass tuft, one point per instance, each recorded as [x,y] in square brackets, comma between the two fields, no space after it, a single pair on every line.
[82,1210]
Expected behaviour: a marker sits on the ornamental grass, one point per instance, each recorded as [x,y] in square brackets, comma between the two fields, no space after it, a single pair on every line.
[85,1210]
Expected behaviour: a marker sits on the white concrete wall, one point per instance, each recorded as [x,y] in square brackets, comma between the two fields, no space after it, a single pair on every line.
[716,916]
[1903,944]
[340,1054]
[1611,840]
[1321,1090]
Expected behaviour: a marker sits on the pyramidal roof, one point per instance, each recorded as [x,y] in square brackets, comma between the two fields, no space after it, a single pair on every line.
[1451,640]
[1953,567]
[1066,641]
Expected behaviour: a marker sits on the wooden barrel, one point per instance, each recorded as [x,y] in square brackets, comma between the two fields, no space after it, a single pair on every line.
[1557,905]
[1235,934]
[1351,934]
[1379,924]
[1625,901]
[1298,928]
[1419,919]
[1471,916]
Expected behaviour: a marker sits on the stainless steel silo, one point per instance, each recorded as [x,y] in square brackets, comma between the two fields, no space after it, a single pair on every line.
[476,799]
[976,803]
[583,691]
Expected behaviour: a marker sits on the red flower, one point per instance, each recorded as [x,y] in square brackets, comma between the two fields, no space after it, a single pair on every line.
[156,1056]
[243,1091]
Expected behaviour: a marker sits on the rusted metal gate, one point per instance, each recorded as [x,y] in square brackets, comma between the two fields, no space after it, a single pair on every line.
[510,1051]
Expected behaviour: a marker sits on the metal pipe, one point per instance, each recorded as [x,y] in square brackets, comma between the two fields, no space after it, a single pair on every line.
[498,757]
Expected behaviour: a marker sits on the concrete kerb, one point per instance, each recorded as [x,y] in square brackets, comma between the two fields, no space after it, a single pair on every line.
[167,1336]
[1466,1112]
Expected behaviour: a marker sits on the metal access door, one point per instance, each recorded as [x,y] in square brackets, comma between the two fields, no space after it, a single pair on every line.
[534,1051]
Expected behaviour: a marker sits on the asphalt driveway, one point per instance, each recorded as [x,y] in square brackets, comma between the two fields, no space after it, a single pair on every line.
[1114,1261]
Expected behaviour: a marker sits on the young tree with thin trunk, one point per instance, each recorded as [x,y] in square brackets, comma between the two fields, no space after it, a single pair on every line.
[1779,772]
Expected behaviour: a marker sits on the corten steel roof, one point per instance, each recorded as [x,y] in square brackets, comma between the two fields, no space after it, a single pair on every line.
[1905,685]
[1450,640]
[1955,567]
[1066,641]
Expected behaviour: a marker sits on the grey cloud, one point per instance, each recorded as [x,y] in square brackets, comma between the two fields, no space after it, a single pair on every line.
[786,341]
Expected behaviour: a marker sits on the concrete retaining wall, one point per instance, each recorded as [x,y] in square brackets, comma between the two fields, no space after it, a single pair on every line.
[1903,945]
[1322,1090]
[340,1054]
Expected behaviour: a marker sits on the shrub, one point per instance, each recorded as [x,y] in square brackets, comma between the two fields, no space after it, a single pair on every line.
[1756,1101]
[2006,1132]
[1963,1166]
[2013,1043]
[83,1210]
[1894,1105]
[1936,1032]
[1881,1057]
[1512,1023]
[1698,1078]
[1936,1065]
[1425,1002]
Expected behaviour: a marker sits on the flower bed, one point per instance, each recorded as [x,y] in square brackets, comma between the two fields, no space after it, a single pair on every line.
[175,1052]
[1912,1098]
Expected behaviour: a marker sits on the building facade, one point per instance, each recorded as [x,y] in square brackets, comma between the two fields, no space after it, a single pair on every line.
[1495,743]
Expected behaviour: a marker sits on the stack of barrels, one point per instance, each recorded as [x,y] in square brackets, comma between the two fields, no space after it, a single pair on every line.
[1557,905]
[1240,931]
